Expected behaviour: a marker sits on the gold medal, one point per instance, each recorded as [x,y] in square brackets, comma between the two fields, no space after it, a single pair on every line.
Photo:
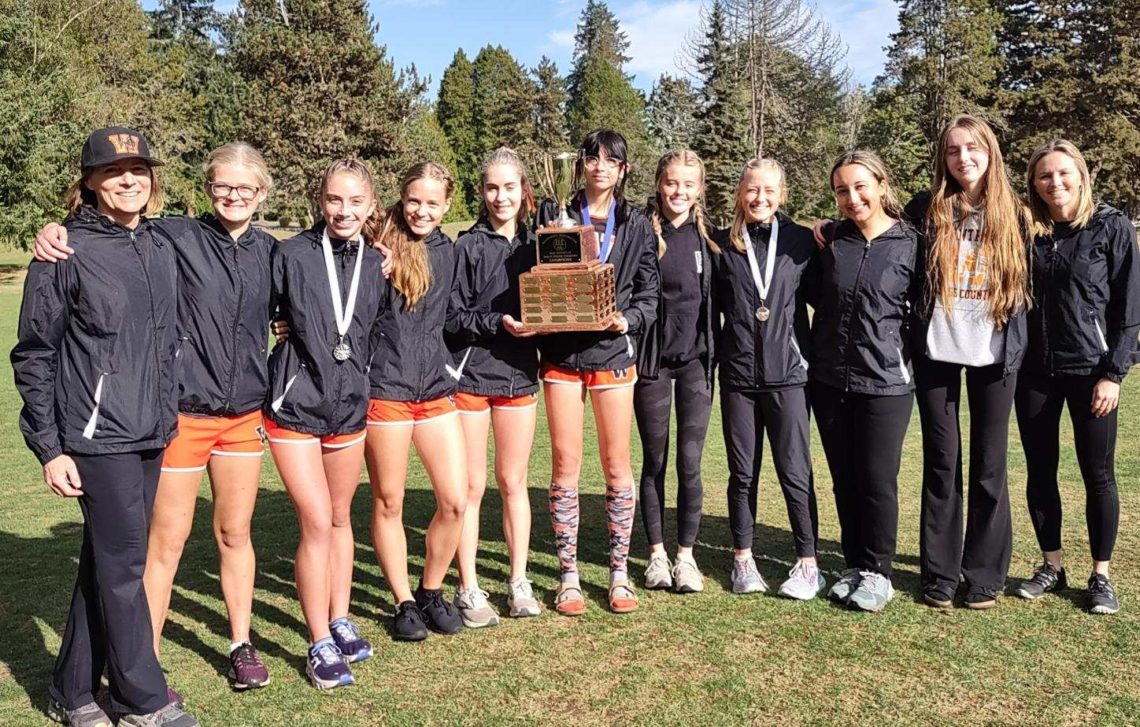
[762,313]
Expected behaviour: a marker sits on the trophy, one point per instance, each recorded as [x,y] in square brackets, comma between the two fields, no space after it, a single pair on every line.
[569,289]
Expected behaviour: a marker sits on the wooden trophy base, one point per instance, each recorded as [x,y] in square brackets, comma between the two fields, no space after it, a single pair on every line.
[567,298]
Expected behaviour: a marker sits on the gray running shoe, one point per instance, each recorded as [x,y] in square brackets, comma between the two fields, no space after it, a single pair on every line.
[1046,579]
[1102,596]
[874,592]
[89,715]
[745,577]
[804,582]
[474,609]
[168,716]
[657,573]
[845,586]
[687,577]
[520,600]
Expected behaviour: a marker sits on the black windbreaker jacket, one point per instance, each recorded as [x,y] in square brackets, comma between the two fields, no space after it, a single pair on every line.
[862,301]
[649,353]
[773,354]
[223,315]
[95,359]
[490,361]
[1086,286]
[1016,330]
[411,360]
[634,257]
[309,390]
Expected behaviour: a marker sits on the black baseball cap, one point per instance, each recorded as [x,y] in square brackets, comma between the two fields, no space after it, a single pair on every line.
[105,146]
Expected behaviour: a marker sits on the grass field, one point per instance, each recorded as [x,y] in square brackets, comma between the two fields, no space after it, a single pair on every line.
[711,658]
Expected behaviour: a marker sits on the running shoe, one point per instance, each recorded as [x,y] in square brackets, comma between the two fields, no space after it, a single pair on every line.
[658,574]
[521,600]
[408,624]
[173,697]
[804,582]
[687,577]
[746,578]
[326,667]
[1046,579]
[439,615]
[247,670]
[874,591]
[842,589]
[474,609]
[352,645]
[168,716]
[1102,596]
[89,715]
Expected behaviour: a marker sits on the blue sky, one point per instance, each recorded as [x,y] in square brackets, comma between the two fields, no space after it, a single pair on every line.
[427,32]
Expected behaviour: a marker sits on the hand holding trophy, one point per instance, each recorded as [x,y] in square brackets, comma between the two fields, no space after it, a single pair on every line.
[569,289]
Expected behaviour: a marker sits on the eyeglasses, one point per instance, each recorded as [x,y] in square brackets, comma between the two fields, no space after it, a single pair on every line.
[603,162]
[244,191]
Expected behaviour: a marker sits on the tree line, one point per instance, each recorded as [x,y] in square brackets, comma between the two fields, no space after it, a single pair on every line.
[305,81]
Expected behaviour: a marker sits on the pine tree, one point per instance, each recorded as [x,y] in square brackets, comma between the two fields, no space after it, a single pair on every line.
[455,110]
[670,114]
[598,38]
[548,108]
[503,92]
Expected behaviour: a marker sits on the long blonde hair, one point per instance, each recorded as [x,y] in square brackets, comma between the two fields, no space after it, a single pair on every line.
[873,164]
[411,271]
[738,206]
[1004,228]
[686,158]
[1038,206]
[78,195]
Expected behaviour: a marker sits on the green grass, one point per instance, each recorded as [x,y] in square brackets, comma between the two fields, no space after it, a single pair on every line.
[711,658]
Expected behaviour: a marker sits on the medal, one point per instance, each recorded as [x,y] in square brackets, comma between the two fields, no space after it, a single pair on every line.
[763,284]
[606,244]
[342,314]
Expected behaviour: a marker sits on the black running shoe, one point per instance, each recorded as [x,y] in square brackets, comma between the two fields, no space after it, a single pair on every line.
[1046,579]
[408,624]
[1102,596]
[439,615]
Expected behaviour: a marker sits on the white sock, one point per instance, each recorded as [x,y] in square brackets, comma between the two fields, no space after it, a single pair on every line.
[744,558]
[234,646]
[687,557]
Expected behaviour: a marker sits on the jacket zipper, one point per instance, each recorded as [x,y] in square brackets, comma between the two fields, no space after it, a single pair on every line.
[237,316]
[854,300]
[153,333]
[1045,310]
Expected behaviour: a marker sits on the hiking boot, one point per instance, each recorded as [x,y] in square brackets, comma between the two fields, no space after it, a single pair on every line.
[408,623]
[474,609]
[1046,579]
[353,647]
[521,600]
[439,615]
[1102,596]
[168,716]
[842,589]
[687,577]
[874,591]
[326,667]
[746,578]
[804,582]
[658,575]
[89,715]
[247,670]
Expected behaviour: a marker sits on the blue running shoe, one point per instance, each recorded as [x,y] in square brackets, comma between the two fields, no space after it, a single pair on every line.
[327,668]
[352,645]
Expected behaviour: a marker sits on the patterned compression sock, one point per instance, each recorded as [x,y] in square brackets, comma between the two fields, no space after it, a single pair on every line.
[619,516]
[564,515]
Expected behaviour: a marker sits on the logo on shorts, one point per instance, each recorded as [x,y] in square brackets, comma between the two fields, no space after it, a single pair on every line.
[261,433]
[621,374]
[124,143]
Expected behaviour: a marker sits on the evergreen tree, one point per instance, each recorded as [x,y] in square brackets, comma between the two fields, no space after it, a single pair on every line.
[548,108]
[455,110]
[598,38]
[503,93]
[670,115]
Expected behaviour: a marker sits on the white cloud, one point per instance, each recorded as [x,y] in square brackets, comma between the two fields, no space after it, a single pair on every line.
[865,26]
[562,38]
[657,33]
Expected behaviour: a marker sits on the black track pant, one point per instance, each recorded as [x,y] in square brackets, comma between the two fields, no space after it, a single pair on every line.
[652,401]
[109,623]
[862,438]
[785,415]
[1039,403]
[983,558]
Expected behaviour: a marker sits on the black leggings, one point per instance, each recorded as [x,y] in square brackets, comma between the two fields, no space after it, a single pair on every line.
[1039,402]
[785,414]
[652,400]
[862,438]
[982,558]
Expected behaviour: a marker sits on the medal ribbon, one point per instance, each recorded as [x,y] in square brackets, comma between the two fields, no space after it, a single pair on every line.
[607,242]
[342,314]
[762,285]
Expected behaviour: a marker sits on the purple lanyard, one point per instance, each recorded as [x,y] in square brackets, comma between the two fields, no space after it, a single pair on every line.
[608,238]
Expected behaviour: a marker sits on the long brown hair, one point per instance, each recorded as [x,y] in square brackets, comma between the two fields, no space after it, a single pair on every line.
[870,161]
[509,157]
[686,158]
[1004,228]
[411,269]
[79,195]
[1038,206]
[738,205]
